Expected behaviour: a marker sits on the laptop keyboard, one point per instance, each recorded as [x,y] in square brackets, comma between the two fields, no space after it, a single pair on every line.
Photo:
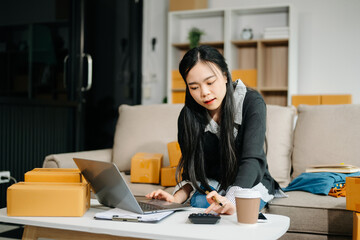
[149,207]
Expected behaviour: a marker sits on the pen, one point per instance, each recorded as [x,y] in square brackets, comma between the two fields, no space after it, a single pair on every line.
[214,198]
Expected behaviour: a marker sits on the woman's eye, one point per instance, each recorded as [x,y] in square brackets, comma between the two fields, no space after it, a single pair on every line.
[210,83]
[194,88]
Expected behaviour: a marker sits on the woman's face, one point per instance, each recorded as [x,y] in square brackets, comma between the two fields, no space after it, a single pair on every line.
[207,85]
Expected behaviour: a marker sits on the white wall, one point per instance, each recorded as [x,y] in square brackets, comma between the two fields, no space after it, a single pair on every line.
[154,61]
[328,44]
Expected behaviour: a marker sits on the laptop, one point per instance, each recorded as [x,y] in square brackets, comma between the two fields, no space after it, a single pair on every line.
[111,189]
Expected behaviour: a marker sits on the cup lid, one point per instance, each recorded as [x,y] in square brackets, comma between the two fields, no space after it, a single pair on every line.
[247,193]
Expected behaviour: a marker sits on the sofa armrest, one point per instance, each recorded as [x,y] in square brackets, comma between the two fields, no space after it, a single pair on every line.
[65,160]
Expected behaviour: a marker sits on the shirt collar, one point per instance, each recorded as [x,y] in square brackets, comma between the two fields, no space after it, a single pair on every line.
[239,96]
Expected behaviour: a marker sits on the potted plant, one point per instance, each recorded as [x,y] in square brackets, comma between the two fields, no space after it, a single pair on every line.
[194,37]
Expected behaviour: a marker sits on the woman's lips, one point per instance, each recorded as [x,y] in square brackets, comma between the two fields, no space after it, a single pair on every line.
[209,101]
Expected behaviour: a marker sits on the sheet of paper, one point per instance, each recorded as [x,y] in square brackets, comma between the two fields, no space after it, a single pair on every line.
[120,214]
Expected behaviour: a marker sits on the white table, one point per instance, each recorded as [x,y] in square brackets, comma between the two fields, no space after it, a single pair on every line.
[176,226]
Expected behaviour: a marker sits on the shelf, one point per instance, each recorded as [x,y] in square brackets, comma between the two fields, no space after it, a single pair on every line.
[280,41]
[186,46]
[267,65]
[268,42]
[245,43]
[178,89]
[273,89]
[275,97]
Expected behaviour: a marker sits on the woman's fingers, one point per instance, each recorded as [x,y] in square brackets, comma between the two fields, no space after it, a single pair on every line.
[219,204]
[214,197]
[212,207]
[161,195]
[154,194]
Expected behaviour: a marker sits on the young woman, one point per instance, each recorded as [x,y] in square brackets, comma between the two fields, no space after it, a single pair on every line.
[221,132]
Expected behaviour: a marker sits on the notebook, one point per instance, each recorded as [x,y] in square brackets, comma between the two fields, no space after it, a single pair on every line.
[117,214]
[111,189]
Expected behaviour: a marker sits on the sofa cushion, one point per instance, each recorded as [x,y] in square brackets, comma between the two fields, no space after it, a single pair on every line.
[311,213]
[310,236]
[140,189]
[65,160]
[144,128]
[279,135]
[326,134]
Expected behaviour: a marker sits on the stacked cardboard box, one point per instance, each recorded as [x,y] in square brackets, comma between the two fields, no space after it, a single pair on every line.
[145,167]
[321,99]
[168,178]
[247,76]
[49,192]
[353,202]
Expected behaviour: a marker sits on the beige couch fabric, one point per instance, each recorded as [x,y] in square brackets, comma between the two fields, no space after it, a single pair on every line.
[65,160]
[134,135]
[326,134]
[323,134]
[144,129]
[311,213]
[279,135]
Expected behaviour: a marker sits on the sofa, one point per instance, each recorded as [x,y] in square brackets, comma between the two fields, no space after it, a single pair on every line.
[297,138]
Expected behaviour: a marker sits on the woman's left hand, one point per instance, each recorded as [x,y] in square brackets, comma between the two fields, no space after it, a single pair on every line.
[226,208]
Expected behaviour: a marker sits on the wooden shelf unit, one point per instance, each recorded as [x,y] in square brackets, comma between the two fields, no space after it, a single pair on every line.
[271,62]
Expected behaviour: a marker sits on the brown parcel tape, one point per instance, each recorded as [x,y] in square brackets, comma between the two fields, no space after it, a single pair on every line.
[48,199]
[54,175]
[352,193]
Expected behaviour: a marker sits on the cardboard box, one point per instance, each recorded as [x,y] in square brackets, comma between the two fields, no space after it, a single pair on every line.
[356,226]
[296,100]
[176,5]
[168,178]
[336,99]
[178,96]
[41,199]
[177,80]
[353,194]
[145,167]
[70,175]
[174,152]
[247,76]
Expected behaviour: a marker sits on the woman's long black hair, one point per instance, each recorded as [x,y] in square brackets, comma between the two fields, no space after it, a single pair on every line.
[194,119]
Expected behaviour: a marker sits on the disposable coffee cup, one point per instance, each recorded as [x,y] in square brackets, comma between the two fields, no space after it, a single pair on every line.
[247,205]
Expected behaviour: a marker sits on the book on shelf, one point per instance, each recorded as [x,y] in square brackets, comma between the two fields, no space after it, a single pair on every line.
[337,168]
[276,32]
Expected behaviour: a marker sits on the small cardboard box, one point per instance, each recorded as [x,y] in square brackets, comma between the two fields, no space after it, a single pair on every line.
[356,225]
[177,80]
[353,193]
[41,199]
[174,153]
[178,96]
[168,176]
[145,167]
[70,175]
[336,99]
[247,76]
[296,100]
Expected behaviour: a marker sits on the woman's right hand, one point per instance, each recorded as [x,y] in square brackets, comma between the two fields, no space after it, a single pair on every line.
[162,195]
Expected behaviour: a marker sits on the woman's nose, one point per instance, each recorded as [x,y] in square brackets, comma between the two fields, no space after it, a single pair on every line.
[205,91]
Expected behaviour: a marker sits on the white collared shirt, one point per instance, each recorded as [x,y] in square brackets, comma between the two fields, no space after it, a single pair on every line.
[239,96]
